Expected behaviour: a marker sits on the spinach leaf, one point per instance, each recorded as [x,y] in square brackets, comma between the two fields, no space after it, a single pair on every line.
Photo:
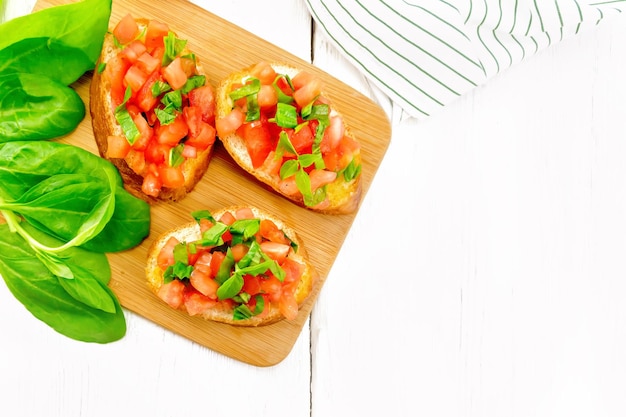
[34,107]
[45,56]
[25,166]
[82,25]
[45,297]
[84,203]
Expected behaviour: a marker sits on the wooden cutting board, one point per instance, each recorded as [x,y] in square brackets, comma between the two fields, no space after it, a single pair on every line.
[211,38]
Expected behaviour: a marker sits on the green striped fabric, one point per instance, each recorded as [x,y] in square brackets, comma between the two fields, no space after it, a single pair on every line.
[425,53]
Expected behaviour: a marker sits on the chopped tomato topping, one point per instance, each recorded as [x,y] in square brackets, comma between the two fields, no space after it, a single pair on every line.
[172,293]
[296,124]
[174,74]
[138,66]
[204,287]
[155,32]
[117,147]
[126,30]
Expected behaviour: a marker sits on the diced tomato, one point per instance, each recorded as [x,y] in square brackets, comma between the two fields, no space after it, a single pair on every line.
[333,134]
[158,53]
[203,282]
[155,32]
[203,261]
[264,72]
[126,29]
[144,99]
[133,50]
[201,134]
[156,153]
[174,74]
[204,98]
[276,251]
[239,251]
[288,305]
[171,177]
[288,186]
[271,232]
[117,146]
[251,284]
[115,70]
[227,218]
[172,293]
[272,164]
[244,213]
[301,79]
[307,93]
[272,287]
[147,63]
[151,185]
[267,96]
[197,303]
[230,123]
[189,151]
[258,141]
[302,140]
[321,177]
[135,78]
[216,261]
[293,270]
[136,161]
[165,257]
[172,133]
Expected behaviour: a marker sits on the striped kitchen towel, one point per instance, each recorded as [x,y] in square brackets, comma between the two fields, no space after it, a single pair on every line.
[425,53]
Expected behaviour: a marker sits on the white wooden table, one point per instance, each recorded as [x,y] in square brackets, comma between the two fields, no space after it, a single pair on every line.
[501,292]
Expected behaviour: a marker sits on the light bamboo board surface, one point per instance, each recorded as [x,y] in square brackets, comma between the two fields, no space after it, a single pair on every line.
[223,47]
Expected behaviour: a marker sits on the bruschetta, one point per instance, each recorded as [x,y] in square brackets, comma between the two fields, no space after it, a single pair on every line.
[238,265]
[152,109]
[277,123]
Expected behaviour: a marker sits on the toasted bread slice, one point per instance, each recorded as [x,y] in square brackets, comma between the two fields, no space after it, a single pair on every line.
[341,195]
[202,302]
[132,167]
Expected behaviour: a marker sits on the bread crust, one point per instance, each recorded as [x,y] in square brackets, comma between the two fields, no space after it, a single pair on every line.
[191,231]
[105,124]
[343,197]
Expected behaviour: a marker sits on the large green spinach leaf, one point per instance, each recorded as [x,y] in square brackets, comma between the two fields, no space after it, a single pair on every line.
[81,25]
[34,107]
[26,169]
[46,297]
[45,56]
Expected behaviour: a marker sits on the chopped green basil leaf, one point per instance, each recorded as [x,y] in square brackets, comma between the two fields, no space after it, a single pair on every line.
[203,214]
[193,83]
[289,168]
[245,227]
[251,88]
[213,236]
[351,171]
[176,157]
[125,120]
[286,115]
[282,97]
[165,116]
[223,273]
[173,99]
[160,87]
[230,287]
[173,48]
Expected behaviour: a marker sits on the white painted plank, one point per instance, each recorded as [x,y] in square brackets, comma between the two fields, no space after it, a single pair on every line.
[500,288]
